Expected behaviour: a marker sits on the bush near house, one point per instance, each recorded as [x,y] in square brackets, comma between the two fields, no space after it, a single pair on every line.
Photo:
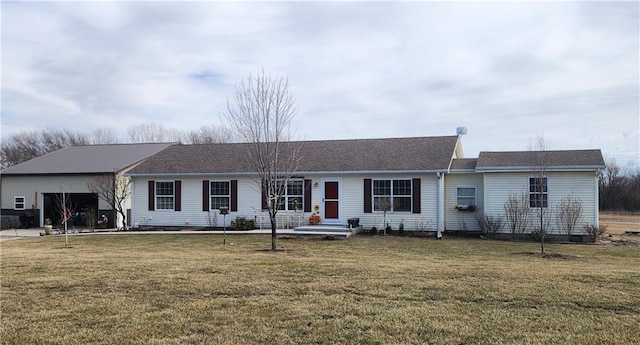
[243,223]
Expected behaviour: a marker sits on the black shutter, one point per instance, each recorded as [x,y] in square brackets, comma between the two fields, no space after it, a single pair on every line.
[367,196]
[177,196]
[205,195]
[307,195]
[416,195]
[264,195]
[234,195]
[152,195]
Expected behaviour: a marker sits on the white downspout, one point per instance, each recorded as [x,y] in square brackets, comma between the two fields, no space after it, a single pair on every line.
[596,197]
[131,203]
[439,206]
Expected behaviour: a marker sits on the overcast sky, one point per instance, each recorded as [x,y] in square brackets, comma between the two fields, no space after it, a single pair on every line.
[506,71]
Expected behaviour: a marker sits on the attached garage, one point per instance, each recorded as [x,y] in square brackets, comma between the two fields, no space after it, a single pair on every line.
[30,189]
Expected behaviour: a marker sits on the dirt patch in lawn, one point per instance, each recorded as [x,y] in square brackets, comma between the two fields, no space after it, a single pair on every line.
[278,250]
[548,255]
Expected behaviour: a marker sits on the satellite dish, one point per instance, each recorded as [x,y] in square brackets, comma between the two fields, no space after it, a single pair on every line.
[461,130]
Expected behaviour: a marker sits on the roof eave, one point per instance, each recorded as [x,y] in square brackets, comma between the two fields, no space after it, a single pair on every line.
[553,168]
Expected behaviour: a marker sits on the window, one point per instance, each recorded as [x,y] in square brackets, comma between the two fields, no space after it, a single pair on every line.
[538,196]
[392,195]
[466,196]
[18,203]
[220,194]
[293,196]
[165,197]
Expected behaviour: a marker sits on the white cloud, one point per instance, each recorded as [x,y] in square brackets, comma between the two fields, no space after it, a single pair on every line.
[507,71]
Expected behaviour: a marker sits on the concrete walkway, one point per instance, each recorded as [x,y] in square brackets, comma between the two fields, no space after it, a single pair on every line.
[16,234]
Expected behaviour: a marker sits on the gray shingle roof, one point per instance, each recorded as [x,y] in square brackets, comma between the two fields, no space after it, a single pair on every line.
[392,154]
[585,159]
[464,164]
[86,159]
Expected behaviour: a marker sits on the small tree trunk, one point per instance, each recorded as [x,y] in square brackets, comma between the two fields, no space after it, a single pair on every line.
[274,225]
[124,219]
[542,231]
[273,237]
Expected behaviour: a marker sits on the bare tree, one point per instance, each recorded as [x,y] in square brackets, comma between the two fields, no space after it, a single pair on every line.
[568,213]
[260,115]
[517,210]
[104,136]
[63,207]
[383,203]
[490,225]
[538,188]
[153,133]
[23,146]
[619,188]
[211,134]
[114,190]
[90,218]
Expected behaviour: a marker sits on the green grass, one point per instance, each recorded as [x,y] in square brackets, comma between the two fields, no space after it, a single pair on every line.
[189,289]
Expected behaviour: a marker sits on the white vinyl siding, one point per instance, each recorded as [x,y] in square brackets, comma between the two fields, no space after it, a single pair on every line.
[492,190]
[353,196]
[582,185]
[249,202]
[462,220]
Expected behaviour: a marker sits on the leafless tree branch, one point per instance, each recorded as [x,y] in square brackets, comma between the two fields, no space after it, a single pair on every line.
[260,114]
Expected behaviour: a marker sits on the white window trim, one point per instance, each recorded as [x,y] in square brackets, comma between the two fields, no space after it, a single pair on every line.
[286,196]
[530,192]
[211,195]
[475,195]
[155,198]
[373,195]
[15,202]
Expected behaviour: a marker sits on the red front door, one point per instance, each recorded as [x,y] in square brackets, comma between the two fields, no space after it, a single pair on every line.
[331,200]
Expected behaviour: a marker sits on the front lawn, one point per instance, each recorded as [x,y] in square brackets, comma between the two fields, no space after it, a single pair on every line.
[189,289]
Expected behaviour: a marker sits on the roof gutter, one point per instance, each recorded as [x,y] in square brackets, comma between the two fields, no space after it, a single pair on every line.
[355,172]
[553,168]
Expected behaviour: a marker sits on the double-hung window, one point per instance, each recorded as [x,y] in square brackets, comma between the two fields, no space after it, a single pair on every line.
[293,196]
[18,203]
[465,196]
[220,194]
[392,195]
[538,194]
[165,195]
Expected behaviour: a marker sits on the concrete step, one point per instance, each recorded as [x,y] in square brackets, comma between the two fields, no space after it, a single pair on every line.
[327,229]
[323,228]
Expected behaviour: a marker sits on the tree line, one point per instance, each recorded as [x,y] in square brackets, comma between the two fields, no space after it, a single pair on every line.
[23,146]
[619,188]
[260,113]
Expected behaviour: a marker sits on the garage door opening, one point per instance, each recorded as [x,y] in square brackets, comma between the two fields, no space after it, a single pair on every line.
[78,204]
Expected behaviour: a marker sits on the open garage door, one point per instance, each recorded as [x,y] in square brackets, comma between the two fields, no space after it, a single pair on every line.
[78,204]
